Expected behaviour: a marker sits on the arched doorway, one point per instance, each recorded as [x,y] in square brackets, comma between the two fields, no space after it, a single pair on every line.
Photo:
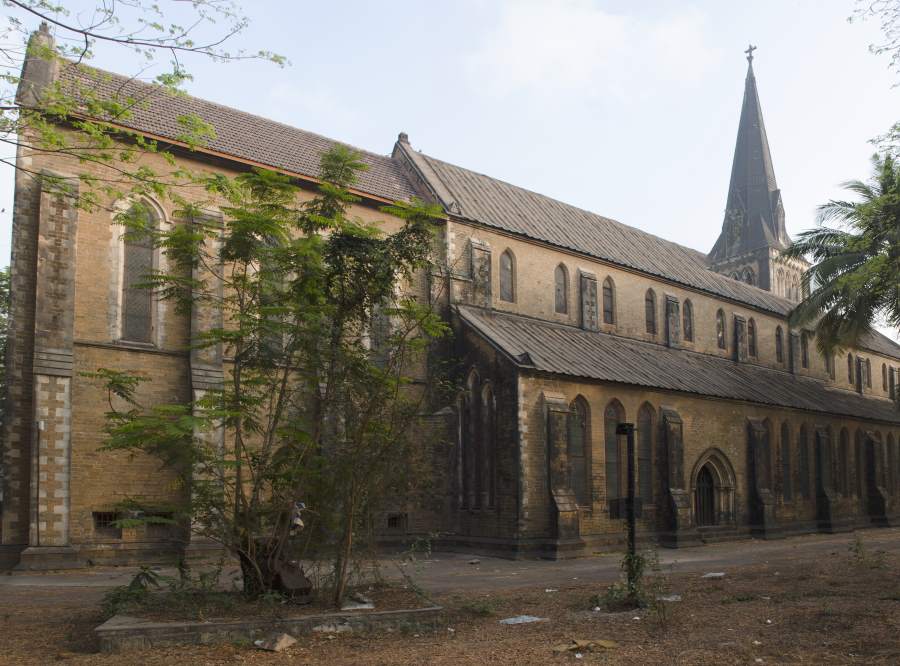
[705,498]
[712,486]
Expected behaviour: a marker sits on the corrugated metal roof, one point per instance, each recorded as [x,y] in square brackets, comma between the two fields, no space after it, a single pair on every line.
[238,134]
[566,350]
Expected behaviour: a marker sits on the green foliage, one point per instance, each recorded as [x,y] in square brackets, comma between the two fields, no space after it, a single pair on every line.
[136,592]
[324,340]
[83,118]
[853,282]
[862,557]
[481,607]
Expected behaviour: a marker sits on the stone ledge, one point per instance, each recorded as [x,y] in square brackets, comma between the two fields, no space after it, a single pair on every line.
[123,632]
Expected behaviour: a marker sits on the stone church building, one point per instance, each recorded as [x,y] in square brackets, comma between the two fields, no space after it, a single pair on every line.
[567,323]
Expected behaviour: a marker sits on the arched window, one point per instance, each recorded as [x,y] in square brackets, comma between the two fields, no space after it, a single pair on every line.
[868,373]
[892,389]
[803,447]
[751,336]
[609,302]
[787,492]
[859,463]
[137,301]
[612,416]
[646,419]
[687,317]
[804,349]
[891,465]
[850,368]
[829,364]
[579,451]
[884,382]
[650,311]
[843,477]
[471,428]
[507,277]
[779,345]
[720,330]
[561,284]
[489,448]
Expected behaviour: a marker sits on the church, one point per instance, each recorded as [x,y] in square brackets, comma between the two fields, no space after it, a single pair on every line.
[566,324]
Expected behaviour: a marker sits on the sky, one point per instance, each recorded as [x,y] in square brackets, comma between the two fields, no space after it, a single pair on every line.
[626,109]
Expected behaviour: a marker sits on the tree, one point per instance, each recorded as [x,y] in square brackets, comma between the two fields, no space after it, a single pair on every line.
[4,332]
[855,277]
[318,409]
[84,121]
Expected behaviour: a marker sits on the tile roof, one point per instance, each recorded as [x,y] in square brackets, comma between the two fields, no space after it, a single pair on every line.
[566,350]
[238,134]
[495,203]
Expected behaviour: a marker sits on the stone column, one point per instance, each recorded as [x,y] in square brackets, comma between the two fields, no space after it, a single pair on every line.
[567,529]
[673,321]
[52,367]
[481,273]
[677,529]
[740,338]
[759,476]
[878,498]
[590,316]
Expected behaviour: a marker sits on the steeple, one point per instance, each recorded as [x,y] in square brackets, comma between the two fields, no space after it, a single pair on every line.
[754,215]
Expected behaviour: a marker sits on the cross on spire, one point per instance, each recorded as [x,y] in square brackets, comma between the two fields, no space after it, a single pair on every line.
[749,52]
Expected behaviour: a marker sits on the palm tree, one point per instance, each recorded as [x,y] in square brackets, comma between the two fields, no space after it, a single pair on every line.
[855,277]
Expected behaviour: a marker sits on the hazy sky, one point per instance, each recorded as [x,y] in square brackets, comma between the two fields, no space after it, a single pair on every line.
[626,109]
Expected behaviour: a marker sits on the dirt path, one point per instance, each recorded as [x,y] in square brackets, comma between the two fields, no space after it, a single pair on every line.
[806,600]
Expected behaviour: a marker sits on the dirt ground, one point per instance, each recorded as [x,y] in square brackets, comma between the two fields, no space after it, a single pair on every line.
[818,607]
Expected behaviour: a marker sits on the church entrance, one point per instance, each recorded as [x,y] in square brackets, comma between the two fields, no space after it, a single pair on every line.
[705,498]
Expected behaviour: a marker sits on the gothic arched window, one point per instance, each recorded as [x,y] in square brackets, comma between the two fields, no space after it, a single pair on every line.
[507,277]
[804,463]
[561,284]
[751,336]
[470,431]
[779,345]
[804,349]
[843,478]
[579,451]
[646,418]
[787,492]
[650,311]
[488,470]
[850,368]
[609,302]
[868,373]
[137,301]
[720,330]
[612,416]
[884,382]
[687,317]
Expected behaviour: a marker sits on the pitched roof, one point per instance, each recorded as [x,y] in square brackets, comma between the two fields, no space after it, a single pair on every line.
[754,215]
[498,204]
[238,134]
[566,350]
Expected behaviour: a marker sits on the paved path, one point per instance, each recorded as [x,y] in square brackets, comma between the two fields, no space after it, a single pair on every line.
[450,572]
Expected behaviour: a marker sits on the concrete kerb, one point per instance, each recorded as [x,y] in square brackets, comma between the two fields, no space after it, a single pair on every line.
[123,632]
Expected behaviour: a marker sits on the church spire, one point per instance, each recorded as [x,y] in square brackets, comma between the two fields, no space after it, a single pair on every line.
[754,215]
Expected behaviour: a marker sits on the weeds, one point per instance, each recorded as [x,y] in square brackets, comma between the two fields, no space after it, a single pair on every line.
[862,557]
[480,607]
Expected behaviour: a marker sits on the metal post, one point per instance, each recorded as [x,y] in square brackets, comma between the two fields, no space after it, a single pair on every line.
[627,429]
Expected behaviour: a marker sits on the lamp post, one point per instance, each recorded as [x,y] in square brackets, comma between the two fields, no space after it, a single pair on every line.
[631,563]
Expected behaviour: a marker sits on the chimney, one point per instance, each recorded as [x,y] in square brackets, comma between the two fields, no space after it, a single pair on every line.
[40,68]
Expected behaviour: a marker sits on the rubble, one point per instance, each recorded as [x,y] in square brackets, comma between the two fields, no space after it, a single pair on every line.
[275,642]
